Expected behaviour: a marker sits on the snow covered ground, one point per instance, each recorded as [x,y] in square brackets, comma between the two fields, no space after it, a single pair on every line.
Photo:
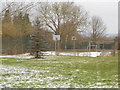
[23,77]
[49,75]
[24,56]
[90,54]
[16,76]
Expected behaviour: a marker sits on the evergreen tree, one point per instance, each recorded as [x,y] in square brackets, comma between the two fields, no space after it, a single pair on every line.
[39,43]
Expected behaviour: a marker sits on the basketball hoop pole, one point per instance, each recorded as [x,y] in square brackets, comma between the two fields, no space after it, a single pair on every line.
[55,48]
[74,39]
[74,48]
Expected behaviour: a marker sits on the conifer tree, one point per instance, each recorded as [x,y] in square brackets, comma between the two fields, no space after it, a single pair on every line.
[38,42]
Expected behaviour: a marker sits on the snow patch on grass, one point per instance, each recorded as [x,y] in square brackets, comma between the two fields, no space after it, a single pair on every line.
[91,54]
[15,76]
[53,53]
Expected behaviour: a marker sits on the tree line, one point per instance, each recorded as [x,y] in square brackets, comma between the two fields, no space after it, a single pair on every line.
[20,20]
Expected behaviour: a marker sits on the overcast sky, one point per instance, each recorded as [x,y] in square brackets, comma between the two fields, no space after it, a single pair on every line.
[106,9]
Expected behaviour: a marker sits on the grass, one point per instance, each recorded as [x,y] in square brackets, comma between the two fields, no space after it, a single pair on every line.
[60,71]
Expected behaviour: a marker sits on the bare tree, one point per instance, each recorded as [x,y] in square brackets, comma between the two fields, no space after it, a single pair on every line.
[53,15]
[61,18]
[97,28]
[16,7]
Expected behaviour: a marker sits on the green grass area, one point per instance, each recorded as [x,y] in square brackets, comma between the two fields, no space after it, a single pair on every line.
[60,71]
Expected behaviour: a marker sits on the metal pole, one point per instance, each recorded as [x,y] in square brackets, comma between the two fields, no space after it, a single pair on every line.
[74,48]
[89,48]
[55,47]
[114,47]
[103,45]
[66,42]
[87,51]
[96,51]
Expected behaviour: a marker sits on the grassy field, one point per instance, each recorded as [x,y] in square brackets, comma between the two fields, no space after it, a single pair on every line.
[60,72]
